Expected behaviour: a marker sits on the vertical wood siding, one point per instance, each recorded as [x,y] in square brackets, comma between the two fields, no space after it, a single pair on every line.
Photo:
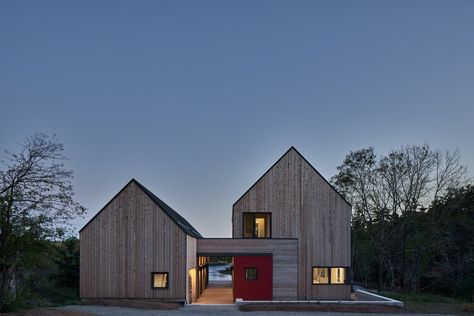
[191,263]
[306,207]
[284,252]
[131,238]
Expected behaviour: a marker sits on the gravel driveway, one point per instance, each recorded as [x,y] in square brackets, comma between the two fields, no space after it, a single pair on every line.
[195,310]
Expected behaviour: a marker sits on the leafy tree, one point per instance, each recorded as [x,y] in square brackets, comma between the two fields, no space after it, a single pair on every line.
[67,259]
[390,194]
[36,201]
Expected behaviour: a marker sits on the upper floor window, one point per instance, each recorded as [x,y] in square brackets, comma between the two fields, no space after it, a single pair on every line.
[257,225]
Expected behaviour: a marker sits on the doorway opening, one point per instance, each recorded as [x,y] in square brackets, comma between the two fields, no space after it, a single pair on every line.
[215,280]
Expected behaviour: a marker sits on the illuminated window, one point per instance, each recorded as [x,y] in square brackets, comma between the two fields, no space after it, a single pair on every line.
[320,275]
[338,275]
[323,275]
[251,274]
[257,225]
[160,280]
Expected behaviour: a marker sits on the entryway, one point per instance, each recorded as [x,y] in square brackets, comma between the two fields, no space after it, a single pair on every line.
[217,283]
[253,277]
[217,292]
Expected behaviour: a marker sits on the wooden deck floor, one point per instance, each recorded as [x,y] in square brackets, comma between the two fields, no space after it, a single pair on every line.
[217,292]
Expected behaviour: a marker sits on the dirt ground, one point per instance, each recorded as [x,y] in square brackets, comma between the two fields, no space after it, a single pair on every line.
[140,304]
[410,308]
[258,310]
[324,308]
[48,312]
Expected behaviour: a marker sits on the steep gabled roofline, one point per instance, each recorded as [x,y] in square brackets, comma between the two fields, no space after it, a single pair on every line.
[292,147]
[178,219]
[175,217]
[105,206]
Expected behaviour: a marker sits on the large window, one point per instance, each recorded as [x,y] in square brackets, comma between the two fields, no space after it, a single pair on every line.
[159,280]
[324,275]
[251,274]
[257,225]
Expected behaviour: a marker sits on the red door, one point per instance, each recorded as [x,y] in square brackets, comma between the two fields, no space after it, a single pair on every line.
[253,278]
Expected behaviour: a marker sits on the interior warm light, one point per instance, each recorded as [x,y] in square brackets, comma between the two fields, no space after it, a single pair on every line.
[160,280]
[320,275]
[338,275]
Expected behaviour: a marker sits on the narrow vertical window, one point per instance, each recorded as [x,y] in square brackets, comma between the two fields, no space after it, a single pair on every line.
[338,275]
[159,280]
[251,274]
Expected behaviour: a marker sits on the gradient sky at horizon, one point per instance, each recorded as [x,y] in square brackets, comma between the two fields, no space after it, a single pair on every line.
[197,99]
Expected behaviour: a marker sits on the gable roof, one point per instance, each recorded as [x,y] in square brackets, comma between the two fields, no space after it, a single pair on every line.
[178,219]
[299,154]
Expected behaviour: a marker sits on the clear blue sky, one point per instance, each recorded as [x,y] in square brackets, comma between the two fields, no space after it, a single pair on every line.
[196,99]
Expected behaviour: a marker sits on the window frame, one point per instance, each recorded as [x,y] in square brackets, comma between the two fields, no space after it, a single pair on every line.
[253,230]
[346,278]
[328,277]
[256,273]
[345,275]
[153,280]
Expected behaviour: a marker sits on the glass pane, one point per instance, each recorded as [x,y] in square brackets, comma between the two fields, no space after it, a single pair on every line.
[320,276]
[338,275]
[250,273]
[262,225]
[160,280]
[248,225]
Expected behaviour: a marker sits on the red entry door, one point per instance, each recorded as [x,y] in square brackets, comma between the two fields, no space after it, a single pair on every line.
[253,278]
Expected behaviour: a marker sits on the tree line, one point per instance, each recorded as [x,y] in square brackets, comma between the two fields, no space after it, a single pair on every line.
[413,220]
[412,223]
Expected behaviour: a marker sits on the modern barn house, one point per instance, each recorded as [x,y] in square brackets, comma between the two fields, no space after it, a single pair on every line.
[290,241]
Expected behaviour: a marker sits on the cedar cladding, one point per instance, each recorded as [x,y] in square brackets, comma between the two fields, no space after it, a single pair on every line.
[306,207]
[127,241]
[283,251]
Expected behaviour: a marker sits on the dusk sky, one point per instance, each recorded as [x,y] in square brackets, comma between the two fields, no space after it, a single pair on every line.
[197,99]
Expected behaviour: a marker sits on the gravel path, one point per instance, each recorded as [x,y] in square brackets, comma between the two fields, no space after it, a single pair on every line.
[197,310]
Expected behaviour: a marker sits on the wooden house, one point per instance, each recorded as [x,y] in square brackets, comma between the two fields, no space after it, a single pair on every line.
[290,241]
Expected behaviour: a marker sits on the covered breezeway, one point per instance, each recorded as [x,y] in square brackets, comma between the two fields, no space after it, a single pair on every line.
[217,292]
[216,283]
[282,270]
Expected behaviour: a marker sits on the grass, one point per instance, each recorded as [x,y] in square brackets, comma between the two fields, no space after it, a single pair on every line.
[430,303]
[421,298]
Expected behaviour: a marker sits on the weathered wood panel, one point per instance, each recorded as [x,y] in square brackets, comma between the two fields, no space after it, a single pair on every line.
[128,240]
[191,263]
[284,252]
[306,207]
[331,292]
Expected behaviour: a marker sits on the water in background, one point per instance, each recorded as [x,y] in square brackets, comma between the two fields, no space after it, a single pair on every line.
[215,275]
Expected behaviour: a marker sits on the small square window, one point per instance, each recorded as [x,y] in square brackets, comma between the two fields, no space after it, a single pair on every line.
[320,275]
[251,274]
[160,280]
